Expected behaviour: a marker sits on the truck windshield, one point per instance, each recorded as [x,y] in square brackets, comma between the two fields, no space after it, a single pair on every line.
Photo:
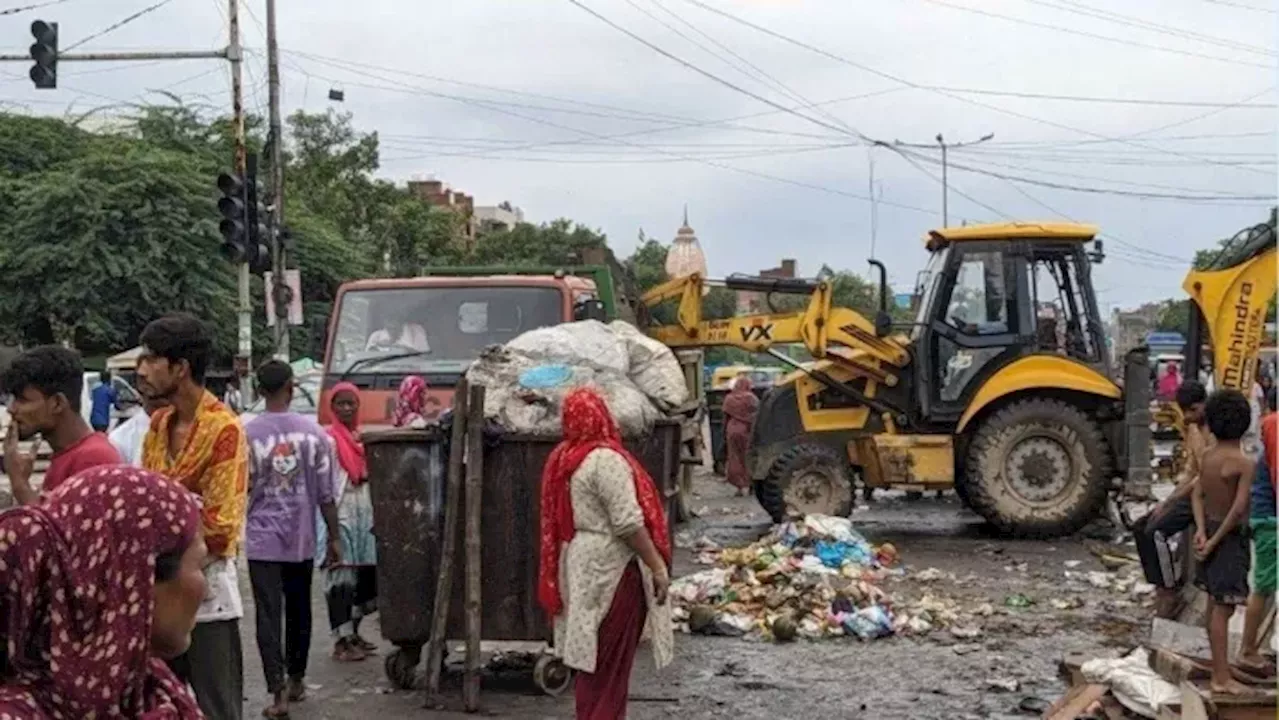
[434,329]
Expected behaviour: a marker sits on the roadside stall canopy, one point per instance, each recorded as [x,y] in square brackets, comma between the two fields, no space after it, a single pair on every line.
[127,360]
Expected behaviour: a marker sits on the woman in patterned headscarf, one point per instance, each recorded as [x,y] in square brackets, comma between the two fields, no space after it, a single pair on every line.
[98,585]
[602,515]
[411,403]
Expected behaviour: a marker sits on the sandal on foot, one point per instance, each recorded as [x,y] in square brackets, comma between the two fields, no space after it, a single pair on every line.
[297,690]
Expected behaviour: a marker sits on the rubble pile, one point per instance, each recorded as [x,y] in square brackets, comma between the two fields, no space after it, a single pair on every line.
[812,578]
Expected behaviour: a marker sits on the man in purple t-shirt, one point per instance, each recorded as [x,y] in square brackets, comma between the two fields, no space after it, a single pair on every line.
[291,474]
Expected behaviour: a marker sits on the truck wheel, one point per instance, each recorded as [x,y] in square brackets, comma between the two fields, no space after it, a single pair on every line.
[1037,467]
[683,511]
[805,479]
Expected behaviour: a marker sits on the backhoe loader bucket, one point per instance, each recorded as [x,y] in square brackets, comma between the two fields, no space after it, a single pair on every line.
[1137,430]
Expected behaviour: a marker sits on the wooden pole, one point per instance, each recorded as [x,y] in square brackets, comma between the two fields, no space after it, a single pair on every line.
[448,544]
[475,477]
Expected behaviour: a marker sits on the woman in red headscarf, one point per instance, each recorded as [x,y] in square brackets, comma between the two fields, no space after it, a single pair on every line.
[99,584]
[740,407]
[350,587]
[411,403]
[604,557]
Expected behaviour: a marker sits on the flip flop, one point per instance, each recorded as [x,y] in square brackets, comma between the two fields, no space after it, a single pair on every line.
[297,691]
[277,715]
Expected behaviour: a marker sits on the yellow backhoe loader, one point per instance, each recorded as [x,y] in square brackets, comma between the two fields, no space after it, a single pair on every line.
[1001,388]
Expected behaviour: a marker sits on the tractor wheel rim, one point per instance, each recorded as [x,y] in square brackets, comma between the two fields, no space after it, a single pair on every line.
[1039,469]
[810,492]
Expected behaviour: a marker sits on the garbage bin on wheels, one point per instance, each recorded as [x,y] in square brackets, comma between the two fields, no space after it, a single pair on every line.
[408,478]
[408,472]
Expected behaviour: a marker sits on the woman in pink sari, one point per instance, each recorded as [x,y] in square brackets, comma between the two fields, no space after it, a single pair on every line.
[1169,382]
[740,407]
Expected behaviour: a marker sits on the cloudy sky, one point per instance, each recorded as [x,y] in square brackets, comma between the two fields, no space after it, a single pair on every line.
[618,119]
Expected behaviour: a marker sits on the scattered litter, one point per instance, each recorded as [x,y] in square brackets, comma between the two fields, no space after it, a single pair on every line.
[929,575]
[1098,579]
[1018,600]
[1071,564]
[1003,684]
[1066,603]
[966,632]
[813,578]
[965,648]
[1033,705]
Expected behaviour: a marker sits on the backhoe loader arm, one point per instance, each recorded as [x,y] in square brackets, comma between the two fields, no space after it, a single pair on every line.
[1232,297]
[819,327]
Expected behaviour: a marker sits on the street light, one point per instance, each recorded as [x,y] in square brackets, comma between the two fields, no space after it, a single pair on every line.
[942,143]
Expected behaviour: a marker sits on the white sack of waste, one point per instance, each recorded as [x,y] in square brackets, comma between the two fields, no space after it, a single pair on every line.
[527,379]
[652,366]
[589,343]
[1133,682]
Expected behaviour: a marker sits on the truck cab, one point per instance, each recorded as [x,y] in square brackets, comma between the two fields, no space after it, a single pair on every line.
[384,330]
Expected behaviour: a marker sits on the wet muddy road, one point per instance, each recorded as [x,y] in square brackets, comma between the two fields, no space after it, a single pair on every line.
[1011,662]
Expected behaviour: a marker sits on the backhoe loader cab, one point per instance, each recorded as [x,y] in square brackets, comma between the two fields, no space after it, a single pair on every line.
[1000,390]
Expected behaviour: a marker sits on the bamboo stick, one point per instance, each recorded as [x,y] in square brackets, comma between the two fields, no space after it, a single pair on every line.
[448,544]
[474,477]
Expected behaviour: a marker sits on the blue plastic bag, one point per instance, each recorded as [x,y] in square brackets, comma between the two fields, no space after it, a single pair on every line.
[546,376]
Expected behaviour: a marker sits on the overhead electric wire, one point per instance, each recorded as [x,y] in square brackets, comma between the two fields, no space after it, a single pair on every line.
[1142,24]
[117,25]
[1242,6]
[955,96]
[709,75]
[1094,190]
[1096,36]
[711,163]
[1103,179]
[1106,100]
[24,8]
[685,124]
[769,79]
[945,185]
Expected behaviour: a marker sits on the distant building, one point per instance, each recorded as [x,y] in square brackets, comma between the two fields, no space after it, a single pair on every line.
[1129,328]
[436,194]
[756,302]
[504,216]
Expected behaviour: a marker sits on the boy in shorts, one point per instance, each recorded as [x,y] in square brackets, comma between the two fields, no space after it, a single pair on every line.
[1220,503]
[1262,526]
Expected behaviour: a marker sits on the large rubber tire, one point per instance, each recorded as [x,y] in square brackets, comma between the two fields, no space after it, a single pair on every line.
[684,498]
[1037,468]
[401,667]
[807,478]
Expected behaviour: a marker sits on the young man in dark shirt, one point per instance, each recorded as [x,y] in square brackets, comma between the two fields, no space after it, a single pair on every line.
[46,383]
[1220,503]
[1172,516]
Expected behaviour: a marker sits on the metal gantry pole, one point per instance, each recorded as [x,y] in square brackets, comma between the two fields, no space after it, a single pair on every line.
[943,143]
[279,255]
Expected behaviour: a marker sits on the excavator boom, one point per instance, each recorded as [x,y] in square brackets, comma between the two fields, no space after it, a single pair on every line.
[1232,297]
[819,327]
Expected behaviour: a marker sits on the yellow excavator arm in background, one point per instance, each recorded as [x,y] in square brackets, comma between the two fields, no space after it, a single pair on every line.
[1232,297]
[819,327]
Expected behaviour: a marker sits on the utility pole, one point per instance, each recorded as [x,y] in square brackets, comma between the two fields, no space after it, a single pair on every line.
[279,253]
[944,145]
[244,311]
[871,193]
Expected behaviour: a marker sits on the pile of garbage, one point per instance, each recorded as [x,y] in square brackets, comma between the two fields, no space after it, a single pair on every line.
[526,379]
[811,578]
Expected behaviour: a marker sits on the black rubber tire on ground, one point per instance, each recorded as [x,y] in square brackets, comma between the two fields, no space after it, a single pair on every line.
[684,497]
[1037,467]
[815,465]
[401,667]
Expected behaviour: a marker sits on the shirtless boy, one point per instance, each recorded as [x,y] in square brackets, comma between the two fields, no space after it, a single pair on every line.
[1220,503]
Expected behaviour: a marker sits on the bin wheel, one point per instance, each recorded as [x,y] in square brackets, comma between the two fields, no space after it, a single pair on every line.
[551,675]
[401,665]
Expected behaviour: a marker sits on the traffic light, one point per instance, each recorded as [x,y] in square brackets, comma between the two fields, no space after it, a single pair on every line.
[235,218]
[259,249]
[45,52]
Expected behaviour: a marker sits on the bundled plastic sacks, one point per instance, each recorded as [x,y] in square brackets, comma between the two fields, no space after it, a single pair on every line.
[527,378]
[817,574]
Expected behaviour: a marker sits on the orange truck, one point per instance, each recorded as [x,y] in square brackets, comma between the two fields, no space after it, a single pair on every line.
[384,330]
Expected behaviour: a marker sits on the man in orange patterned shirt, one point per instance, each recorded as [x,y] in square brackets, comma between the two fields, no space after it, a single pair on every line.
[199,443]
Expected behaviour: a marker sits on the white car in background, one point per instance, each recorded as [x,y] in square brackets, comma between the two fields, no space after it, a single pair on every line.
[306,399]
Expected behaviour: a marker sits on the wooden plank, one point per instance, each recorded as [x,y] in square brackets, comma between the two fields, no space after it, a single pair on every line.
[1255,706]
[449,543]
[1075,702]
[1112,708]
[1175,667]
[474,481]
